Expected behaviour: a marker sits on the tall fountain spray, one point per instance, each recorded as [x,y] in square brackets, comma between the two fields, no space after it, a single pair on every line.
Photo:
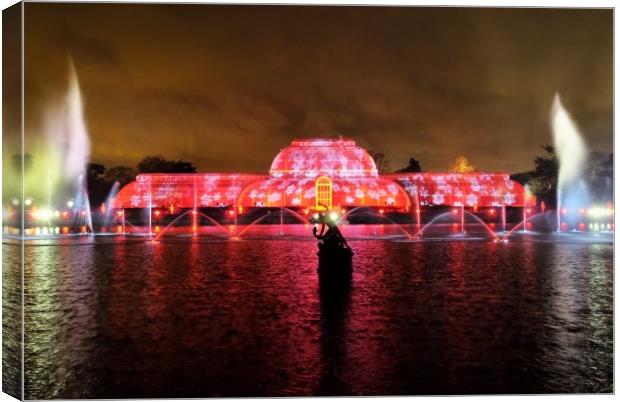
[68,141]
[571,152]
[78,141]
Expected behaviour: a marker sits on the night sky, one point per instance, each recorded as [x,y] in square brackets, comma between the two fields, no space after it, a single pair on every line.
[226,87]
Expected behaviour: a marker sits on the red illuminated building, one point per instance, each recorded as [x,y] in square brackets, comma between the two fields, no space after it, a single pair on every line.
[318,174]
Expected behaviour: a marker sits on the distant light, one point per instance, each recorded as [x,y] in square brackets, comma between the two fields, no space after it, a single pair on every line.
[381,211]
[240,209]
[454,210]
[529,210]
[28,202]
[157,213]
[417,211]
[119,213]
[492,211]
[316,215]
[15,201]
[157,229]
[564,211]
[306,211]
[597,212]
[70,203]
[194,212]
[42,214]
[333,216]
[231,212]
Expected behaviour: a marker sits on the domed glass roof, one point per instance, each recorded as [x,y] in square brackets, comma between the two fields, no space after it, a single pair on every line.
[338,157]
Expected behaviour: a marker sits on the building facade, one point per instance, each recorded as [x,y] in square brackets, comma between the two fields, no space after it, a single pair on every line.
[323,174]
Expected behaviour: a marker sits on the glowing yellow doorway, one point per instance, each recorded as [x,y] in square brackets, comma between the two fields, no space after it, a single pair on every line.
[323,193]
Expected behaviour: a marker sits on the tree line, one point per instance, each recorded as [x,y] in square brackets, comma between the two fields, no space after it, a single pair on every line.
[100,180]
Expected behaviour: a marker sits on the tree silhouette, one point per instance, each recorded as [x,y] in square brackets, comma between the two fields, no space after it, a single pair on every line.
[544,178]
[122,174]
[157,164]
[380,161]
[414,166]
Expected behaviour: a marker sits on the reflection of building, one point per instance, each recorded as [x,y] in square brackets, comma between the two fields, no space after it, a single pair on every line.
[318,174]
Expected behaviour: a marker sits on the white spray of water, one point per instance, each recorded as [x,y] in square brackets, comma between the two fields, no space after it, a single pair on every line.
[570,150]
[78,150]
[66,131]
[69,142]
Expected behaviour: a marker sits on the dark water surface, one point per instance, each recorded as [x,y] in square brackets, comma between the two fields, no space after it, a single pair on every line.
[183,318]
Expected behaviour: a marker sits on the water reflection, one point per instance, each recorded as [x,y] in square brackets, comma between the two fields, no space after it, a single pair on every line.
[197,318]
[334,296]
[12,319]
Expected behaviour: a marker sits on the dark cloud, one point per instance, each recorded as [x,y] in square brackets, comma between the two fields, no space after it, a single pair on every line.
[227,87]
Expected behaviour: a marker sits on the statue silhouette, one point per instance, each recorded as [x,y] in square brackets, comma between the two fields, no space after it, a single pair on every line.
[335,255]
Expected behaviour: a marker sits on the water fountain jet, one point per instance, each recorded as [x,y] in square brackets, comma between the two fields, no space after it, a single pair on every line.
[571,152]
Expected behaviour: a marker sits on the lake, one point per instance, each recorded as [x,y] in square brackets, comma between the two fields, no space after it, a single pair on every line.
[119,317]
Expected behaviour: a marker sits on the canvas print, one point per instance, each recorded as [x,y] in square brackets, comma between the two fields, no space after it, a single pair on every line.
[205,200]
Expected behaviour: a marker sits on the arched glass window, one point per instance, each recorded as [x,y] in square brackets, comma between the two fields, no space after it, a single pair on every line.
[323,193]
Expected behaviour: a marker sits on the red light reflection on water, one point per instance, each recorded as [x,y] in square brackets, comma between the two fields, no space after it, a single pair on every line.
[202,315]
